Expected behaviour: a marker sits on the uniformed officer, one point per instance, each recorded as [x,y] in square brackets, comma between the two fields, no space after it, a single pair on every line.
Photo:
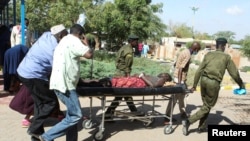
[211,72]
[124,62]
[125,55]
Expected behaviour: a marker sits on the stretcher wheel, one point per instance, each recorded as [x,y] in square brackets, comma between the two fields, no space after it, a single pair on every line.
[87,124]
[168,129]
[98,136]
[151,120]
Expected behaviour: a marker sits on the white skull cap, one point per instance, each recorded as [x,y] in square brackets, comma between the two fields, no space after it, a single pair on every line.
[57,28]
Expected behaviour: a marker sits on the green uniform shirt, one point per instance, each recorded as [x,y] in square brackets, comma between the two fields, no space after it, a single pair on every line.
[214,65]
[124,60]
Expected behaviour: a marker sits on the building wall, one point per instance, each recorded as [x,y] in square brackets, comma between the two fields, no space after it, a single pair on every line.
[169,52]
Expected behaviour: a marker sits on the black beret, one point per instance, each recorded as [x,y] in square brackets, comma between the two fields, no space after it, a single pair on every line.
[221,41]
[134,37]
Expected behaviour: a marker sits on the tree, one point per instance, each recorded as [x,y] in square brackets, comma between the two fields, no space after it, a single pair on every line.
[203,36]
[246,46]
[181,31]
[111,20]
[45,13]
[229,35]
[116,20]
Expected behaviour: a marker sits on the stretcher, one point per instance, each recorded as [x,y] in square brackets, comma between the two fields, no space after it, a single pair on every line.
[102,93]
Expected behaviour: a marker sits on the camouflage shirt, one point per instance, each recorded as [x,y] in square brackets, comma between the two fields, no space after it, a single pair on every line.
[124,60]
[182,62]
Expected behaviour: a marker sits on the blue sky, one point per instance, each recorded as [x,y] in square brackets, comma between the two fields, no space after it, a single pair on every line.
[211,17]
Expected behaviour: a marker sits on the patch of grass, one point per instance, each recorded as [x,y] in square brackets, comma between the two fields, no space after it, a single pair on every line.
[104,66]
[190,77]
[149,67]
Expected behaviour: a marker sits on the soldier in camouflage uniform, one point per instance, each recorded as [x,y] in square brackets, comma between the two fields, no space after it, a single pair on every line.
[124,60]
[124,64]
[211,72]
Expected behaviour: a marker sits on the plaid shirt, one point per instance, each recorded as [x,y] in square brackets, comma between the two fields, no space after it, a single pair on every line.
[182,62]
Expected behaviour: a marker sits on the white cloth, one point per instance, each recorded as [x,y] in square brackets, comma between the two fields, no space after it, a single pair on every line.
[176,80]
[57,28]
[16,35]
[66,64]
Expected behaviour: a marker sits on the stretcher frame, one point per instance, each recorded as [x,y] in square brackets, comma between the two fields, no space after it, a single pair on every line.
[167,93]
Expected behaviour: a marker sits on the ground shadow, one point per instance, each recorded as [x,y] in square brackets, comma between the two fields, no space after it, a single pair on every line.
[118,126]
[190,108]
[51,121]
[215,119]
[114,127]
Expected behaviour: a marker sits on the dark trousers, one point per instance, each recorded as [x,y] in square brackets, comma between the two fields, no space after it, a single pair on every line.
[115,103]
[11,82]
[45,102]
[6,82]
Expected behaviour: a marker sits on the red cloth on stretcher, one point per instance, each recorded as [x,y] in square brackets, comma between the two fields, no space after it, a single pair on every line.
[128,82]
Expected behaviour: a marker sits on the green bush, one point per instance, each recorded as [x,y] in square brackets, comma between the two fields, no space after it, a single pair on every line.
[99,69]
[149,67]
[190,77]
[245,69]
[104,66]
[102,55]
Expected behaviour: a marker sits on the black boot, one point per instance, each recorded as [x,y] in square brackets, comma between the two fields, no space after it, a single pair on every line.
[185,127]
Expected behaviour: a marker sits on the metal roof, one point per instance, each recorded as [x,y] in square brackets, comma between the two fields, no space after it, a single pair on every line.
[3,3]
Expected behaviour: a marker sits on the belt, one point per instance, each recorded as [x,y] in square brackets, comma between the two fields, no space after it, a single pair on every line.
[211,78]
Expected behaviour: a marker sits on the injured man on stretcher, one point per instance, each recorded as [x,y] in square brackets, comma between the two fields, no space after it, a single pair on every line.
[135,81]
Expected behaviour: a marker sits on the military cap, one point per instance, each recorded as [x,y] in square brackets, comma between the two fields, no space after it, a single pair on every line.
[221,41]
[133,37]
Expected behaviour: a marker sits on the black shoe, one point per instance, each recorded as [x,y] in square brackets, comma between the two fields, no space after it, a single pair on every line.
[34,136]
[185,127]
[201,130]
[34,139]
